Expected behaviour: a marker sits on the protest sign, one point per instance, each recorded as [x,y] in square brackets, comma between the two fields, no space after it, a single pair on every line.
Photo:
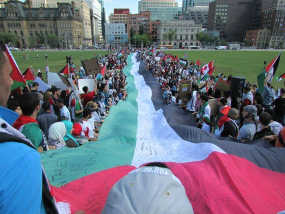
[91,66]
[185,91]
[55,80]
[90,83]
[42,85]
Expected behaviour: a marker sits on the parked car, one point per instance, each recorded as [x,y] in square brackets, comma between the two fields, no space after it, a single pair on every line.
[221,47]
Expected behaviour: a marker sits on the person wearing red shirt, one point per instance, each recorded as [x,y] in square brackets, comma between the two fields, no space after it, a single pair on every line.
[87,96]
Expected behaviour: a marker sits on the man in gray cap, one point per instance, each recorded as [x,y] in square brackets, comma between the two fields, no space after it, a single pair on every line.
[248,129]
[148,190]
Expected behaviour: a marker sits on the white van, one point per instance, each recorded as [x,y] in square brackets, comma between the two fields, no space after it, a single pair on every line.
[221,47]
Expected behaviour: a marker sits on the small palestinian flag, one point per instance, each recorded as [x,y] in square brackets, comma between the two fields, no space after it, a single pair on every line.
[103,70]
[282,77]
[271,68]
[16,74]
[28,75]
[65,70]
[198,63]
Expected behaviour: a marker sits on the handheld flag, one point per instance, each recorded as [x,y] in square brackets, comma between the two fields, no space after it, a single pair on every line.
[103,70]
[207,70]
[271,68]
[28,75]
[260,81]
[65,70]
[16,74]
[198,63]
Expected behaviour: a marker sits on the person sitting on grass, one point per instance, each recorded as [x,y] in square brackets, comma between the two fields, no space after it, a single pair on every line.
[264,120]
[64,112]
[248,129]
[88,126]
[205,115]
[47,118]
[27,123]
[70,141]
[87,96]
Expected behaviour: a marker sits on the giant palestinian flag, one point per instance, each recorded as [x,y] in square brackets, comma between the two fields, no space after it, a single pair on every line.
[218,176]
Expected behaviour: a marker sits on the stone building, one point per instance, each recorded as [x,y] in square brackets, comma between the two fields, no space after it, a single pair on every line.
[139,22]
[179,33]
[33,26]
[120,16]
[84,9]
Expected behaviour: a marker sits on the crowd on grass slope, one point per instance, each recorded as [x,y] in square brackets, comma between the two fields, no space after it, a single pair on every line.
[259,113]
[58,118]
[64,118]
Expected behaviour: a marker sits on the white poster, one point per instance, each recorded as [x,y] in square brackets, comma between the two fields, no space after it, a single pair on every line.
[157,59]
[90,83]
[54,79]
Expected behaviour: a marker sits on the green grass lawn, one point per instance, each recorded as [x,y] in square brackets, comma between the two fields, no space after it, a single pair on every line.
[56,59]
[246,64]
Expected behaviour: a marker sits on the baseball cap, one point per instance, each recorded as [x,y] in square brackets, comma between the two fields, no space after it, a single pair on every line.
[151,190]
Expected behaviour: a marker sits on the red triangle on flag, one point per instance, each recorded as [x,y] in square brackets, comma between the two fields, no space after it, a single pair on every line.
[103,70]
[211,68]
[65,70]
[28,75]
[198,63]
[271,68]
[16,74]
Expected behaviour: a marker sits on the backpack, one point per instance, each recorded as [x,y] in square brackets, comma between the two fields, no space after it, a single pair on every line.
[48,201]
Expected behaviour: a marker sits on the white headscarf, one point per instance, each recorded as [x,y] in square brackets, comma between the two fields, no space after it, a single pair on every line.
[57,131]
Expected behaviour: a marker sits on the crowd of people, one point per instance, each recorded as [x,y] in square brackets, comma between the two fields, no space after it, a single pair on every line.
[35,122]
[57,118]
[257,114]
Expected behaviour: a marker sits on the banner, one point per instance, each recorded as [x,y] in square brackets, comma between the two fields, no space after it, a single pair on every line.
[42,85]
[55,80]
[90,83]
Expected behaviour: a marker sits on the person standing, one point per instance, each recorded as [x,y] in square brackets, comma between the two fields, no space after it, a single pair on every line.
[47,118]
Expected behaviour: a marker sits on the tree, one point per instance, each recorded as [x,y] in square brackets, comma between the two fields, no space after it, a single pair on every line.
[171,35]
[203,38]
[132,33]
[165,36]
[32,42]
[141,30]
[206,38]
[142,39]
[9,38]
[52,40]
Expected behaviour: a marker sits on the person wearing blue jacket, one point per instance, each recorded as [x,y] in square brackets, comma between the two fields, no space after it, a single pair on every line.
[23,186]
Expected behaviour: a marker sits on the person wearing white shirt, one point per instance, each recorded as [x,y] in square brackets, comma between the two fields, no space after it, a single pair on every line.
[64,112]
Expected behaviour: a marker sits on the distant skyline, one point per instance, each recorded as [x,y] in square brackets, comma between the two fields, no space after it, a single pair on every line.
[110,5]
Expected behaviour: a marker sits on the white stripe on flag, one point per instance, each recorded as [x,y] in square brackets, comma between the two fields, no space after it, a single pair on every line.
[156,140]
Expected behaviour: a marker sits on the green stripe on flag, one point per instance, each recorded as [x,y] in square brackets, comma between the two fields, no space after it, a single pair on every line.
[17,84]
[260,81]
[115,146]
